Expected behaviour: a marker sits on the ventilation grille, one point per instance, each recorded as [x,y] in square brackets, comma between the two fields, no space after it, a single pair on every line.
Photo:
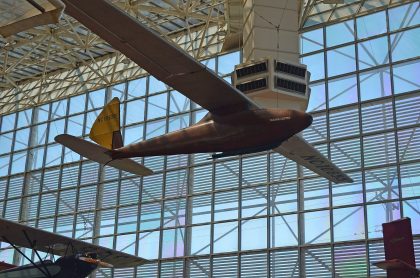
[252,85]
[290,69]
[290,85]
[257,68]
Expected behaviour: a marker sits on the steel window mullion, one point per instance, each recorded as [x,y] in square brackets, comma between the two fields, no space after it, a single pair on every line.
[328,133]
[268,212]
[212,207]
[361,146]
[394,113]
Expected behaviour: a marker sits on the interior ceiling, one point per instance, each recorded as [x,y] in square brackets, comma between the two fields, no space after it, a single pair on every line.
[39,53]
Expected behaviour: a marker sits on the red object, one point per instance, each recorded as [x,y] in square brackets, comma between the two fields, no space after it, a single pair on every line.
[4,266]
[400,261]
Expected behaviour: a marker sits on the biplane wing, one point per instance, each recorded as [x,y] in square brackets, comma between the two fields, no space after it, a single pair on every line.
[29,237]
[4,266]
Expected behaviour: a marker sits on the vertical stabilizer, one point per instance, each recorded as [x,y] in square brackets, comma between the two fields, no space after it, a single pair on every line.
[106,129]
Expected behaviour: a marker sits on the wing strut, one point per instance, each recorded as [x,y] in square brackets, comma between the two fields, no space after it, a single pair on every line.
[32,244]
[47,274]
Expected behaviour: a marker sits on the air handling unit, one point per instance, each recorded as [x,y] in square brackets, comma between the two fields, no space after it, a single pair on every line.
[270,73]
[274,83]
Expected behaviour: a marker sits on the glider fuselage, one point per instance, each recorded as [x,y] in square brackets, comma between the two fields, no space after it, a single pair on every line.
[242,132]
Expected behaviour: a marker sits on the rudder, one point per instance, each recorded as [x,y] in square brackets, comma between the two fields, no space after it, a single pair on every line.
[106,130]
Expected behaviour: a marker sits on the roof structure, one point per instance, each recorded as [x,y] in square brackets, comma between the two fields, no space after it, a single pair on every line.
[58,60]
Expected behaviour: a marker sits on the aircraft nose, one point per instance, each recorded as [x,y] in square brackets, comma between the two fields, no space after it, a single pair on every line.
[304,118]
[309,118]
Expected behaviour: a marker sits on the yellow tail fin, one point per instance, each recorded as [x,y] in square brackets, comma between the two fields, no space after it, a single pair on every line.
[106,129]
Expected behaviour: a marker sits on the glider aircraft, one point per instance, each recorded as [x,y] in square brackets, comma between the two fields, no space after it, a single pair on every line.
[77,258]
[234,125]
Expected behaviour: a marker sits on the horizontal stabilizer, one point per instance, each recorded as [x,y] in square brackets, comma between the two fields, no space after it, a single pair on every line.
[300,151]
[101,155]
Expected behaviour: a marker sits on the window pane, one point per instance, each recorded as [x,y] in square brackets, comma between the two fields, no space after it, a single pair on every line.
[344,122]
[43,113]
[118,91]
[317,98]
[18,162]
[348,193]
[178,103]
[136,88]
[345,154]
[379,149]
[381,213]
[6,141]
[156,85]
[173,243]
[316,193]
[312,41]
[377,116]
[135,111]
[411,210]
[317,227]
[77,104]
[410,180]
[254,201]
[340,33]
[58,109]
[342,91]
[371,25]
[96,99]
[254,234]
[4,165]
[56,128]
[75,125]
[315,65]
[210,63]
[373,53]
[178,122]
[226,63]
[21,139]
[375,84]
[150,216]
[155,128]
[226,205]
[225,237]
[381,184]
[156,106]
[133,134]
[53,155]
[349,224]
[405,45]
[341,60]
[284,230]
[404,16]
[174,213]
[24,118]
[283,197]
[407,77]
[200,240]
[8,122]
[149,243]
[200,209]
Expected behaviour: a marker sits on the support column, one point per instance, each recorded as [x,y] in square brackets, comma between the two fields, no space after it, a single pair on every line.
[100,192]
[271,30]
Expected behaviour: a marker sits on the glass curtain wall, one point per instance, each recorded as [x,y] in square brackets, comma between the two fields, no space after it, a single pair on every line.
[256,215]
